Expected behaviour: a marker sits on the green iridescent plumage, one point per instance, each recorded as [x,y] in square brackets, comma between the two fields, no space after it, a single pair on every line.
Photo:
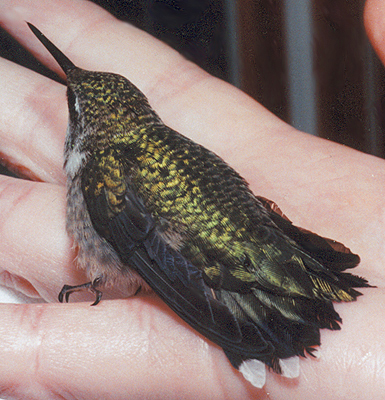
[145,201]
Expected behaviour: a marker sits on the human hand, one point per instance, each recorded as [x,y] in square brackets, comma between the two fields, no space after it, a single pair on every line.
[137,348]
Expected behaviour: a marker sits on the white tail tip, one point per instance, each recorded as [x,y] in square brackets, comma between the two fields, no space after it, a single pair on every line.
[290,367]
[254,371]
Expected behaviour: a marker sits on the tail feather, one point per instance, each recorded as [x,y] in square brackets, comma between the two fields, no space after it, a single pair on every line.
[290,367]
[280,317]
[328,252]
[260,323]
[254,371]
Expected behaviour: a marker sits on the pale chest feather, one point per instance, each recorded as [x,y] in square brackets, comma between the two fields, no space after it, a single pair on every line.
[95,254]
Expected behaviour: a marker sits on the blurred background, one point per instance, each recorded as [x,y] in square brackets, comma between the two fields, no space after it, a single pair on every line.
[308,61]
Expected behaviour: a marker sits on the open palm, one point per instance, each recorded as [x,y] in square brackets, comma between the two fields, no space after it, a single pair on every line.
[137,348]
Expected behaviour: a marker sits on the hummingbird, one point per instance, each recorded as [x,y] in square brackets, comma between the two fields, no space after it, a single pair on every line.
[149,208]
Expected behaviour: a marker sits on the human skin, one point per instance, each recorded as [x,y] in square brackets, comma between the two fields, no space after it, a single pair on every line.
[137,348]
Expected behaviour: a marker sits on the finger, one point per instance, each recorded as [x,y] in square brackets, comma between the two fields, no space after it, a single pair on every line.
[117,350]
[36,254]
[199,105]
[138,349]
[187,98]
[221,116]
[32,123]
[375,27]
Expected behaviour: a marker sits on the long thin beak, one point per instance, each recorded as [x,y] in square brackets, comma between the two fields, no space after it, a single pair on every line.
[65,63]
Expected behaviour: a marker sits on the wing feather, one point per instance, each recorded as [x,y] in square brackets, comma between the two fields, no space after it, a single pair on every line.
[130,229]
[276,315]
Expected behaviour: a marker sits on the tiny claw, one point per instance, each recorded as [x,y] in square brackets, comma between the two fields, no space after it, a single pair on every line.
[66,291]
[98,294]
[90,286]
[68,296]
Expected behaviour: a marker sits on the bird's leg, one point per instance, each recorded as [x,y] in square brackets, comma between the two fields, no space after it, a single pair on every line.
[90,286]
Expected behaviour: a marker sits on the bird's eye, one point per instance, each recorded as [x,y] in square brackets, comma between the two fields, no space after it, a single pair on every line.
[73,105]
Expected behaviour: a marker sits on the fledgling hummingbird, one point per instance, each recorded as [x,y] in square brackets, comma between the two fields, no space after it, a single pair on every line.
[146,204]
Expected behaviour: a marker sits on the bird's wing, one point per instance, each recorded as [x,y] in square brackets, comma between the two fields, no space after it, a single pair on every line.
[121,218]
[329,252]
